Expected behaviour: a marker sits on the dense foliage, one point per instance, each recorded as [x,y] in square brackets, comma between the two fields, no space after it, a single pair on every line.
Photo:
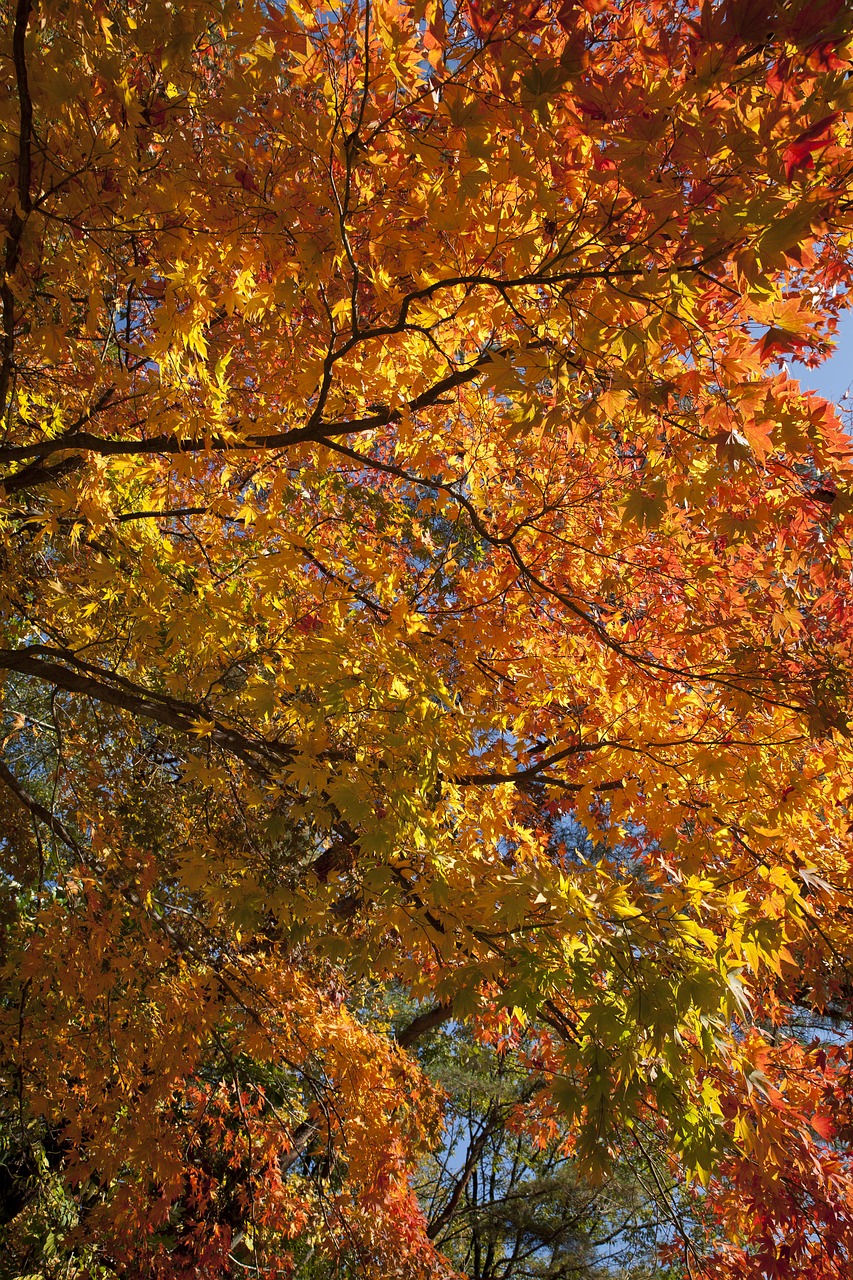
[400,473]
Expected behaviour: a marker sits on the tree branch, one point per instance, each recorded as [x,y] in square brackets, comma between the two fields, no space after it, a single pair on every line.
[86,441]
[23,201]
[38,810]
[63,671]
[424,1022]
[474,1152]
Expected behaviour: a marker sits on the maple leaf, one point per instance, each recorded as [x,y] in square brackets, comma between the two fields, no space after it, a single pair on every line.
[780,342]
[246,180]
[822,1126]
[799,154]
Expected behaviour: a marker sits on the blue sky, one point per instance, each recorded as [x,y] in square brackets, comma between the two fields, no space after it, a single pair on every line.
[834,377]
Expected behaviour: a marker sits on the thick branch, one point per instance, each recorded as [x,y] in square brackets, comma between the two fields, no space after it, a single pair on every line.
[38,810]
[424,1022]
[23,201]
[63,671]
[35,474]
[302,1135]
[85,441]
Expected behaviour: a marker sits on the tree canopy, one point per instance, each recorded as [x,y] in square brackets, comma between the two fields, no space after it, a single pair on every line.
[422,571]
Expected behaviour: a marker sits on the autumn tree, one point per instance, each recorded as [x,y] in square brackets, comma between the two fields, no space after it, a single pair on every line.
[401,460]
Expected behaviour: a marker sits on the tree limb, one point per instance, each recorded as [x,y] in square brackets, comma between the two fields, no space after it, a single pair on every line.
[23,201]
[424,1022]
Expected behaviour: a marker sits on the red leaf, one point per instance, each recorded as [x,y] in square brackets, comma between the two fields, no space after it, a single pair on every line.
[482,19]
[591,108]
[815,21]
[246,180]
[309,624]
[823,1126]
[702,194]
[779,75]
[798,154]
[779,341]
[823,56]
[749,19]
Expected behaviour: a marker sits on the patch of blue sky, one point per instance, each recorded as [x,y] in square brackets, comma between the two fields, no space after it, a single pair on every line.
[834,378]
